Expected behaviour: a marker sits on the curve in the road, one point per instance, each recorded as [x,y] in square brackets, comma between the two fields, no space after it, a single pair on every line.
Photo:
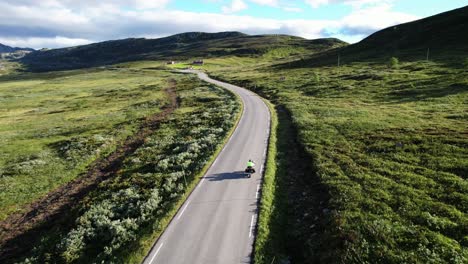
[217,222]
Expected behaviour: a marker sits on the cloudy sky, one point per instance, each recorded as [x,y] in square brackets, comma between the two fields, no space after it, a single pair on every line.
[62,23]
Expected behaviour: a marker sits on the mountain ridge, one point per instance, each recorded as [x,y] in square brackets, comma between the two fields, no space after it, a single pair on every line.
[176,47]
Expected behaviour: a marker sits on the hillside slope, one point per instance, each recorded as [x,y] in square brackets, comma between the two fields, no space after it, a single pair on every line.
[177,47]
[442,30]
[443,35]
[372,157]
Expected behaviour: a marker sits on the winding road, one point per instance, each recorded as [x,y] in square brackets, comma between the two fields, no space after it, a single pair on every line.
[217,222]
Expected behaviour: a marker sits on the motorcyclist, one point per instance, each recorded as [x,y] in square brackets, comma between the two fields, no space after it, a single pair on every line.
[250,165]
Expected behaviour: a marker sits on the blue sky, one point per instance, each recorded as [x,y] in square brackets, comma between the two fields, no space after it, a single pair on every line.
[303,10]
[61,23]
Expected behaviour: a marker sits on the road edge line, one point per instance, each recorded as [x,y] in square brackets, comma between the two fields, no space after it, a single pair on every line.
[166,222]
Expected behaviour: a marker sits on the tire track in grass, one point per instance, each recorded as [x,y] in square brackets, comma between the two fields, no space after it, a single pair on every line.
[20,232]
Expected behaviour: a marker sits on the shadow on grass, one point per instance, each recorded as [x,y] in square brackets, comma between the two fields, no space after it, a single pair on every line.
[300,225]
[423,91]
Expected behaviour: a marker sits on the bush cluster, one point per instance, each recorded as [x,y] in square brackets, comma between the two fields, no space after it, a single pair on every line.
[77,149]
[112,223]
[152,179]
[25,165]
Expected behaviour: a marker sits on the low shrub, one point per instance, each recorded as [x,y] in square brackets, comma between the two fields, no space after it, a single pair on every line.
[394,63]
[153,178]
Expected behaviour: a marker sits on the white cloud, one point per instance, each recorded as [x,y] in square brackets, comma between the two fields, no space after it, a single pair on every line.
[59,23]
[273,3]
[381,16]
[364,3]
[31,14]
[38,43]
[150,4]
[353,3]
[235,6]
[85,4]
[317,3]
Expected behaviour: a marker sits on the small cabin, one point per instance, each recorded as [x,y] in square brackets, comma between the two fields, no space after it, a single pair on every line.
[171,62]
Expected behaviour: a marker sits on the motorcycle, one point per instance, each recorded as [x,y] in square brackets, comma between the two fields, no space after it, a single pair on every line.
[249,171]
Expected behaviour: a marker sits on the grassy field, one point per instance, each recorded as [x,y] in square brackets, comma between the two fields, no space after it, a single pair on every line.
[184,66]
[54,125]
[7,67]
[388,146]
[268,243]
[367,162]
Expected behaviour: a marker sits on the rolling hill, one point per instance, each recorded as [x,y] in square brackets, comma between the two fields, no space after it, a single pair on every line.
[177,47]
[443,35]
[371,158]
[7,52]
[371,161]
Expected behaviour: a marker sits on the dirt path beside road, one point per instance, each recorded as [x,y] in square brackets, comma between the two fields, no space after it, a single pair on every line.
[19,232]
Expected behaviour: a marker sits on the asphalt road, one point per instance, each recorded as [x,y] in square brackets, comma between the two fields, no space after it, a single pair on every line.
[217,222]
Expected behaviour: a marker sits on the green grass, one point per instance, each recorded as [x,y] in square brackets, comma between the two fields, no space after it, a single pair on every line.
[146,242]
[388,144]
[283,52]
[184,65]
[7,67]
[53,125]
[268,246]
[153,182]
[371,157]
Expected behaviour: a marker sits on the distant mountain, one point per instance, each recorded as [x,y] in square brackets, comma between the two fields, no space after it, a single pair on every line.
[10,53]
[176,47]
[8,49]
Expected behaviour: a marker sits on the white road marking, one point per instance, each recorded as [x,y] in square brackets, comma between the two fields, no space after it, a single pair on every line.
[183,210]
[157,251]
[246,110]
[201,182]
[261,169]
[251,226]
[264,152]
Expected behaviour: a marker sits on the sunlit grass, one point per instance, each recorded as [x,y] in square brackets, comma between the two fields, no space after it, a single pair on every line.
[142,197]
[40,112]
[389,145]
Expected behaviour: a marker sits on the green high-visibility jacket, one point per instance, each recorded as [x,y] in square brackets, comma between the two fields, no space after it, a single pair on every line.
[250,164]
